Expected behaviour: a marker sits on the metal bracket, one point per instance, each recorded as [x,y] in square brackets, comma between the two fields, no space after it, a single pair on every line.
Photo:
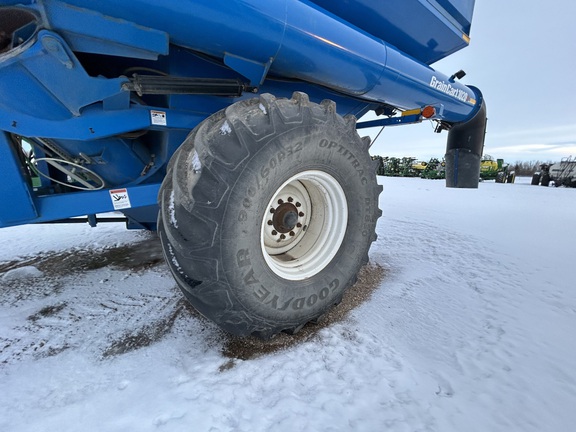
[390,121]
[255,71]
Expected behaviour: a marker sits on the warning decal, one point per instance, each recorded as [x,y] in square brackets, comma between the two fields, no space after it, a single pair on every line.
[158,118]
[120,199]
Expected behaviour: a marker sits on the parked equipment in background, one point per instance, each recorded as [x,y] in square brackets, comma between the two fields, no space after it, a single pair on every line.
[435,169]
[562,173]
[497,170]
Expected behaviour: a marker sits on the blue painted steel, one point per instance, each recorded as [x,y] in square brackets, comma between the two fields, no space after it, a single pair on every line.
[89,31]
[427,30]
[63,81]
[50,207]
[391,121]
[303,41]
[94,123]
[82,203]
[46,81]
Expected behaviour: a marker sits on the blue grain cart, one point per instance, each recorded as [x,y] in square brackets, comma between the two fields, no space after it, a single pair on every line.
[229,126]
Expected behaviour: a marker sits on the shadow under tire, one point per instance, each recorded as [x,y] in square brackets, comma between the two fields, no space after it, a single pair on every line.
[268,211]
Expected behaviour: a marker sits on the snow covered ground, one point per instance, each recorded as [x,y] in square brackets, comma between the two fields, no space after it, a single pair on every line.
[470,326]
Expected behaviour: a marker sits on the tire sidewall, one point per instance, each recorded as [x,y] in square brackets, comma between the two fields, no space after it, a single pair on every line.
[327,147]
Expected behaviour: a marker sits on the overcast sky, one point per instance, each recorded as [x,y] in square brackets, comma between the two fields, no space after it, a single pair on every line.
[522,57]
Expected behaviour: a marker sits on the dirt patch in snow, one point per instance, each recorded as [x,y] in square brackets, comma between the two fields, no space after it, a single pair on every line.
[143,336]
[135,257]
[134,316]
[369,279]
[47,311]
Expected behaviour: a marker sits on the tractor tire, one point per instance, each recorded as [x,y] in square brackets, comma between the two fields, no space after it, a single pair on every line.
[500,177]
[268,211]
[511,177]
[545,180]
[535,179]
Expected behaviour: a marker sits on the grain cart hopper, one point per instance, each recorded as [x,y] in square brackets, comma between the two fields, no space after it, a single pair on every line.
[237,120]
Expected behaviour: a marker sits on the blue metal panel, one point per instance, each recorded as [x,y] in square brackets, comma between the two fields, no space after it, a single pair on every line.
[63,206]
[461,10]
[89,31]
[15,2]
[48,69]
[214,27]
[427,30]
[95,123]
[303,41]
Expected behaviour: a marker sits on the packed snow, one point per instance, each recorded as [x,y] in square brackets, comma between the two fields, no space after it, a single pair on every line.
[171,209]
[468,325]
[225,129]
[23,272]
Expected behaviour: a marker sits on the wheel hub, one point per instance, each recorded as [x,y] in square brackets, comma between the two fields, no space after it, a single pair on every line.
[285,217]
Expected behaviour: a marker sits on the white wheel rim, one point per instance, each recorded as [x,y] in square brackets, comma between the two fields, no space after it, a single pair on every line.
[304,225]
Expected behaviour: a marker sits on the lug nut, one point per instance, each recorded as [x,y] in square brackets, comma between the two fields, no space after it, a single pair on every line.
[298,225]
[282,237]
[290,199]
[270,222]
[272,210]
[274,232]
[292,234]
[280,201]
[298,204]
[301,214]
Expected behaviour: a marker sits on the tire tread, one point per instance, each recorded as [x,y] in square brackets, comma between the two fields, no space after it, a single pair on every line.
[200,199]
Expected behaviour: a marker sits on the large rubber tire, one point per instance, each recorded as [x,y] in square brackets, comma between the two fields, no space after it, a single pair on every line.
[268,211]
[535,179]
[545,180]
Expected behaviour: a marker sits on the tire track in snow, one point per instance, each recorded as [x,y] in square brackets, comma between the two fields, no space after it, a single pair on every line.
[107,301]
